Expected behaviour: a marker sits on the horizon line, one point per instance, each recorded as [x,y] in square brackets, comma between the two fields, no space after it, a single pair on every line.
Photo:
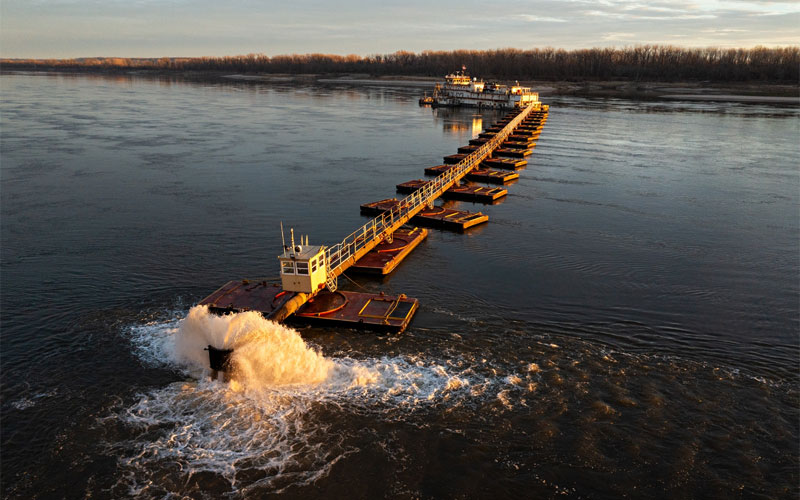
[623,47]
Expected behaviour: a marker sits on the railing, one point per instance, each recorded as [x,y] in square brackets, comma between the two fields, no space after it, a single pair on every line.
[344,254]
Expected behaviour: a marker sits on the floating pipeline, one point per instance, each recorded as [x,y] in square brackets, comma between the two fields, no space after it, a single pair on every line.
[381,312]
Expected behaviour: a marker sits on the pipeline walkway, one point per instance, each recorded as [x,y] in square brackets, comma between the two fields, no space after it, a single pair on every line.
[344,254]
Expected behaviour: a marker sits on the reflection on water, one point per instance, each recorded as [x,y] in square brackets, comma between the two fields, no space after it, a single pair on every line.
[625,325]
[465,123]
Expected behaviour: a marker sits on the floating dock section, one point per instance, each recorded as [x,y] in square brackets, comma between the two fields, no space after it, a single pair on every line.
[436,216]
[467,193]
[514,153]
[492,176]
[487,175]
[385,313]
[384,258]
[455,159]
[505,163]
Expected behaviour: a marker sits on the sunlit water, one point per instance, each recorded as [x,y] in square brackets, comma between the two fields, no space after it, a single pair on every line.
[625,325]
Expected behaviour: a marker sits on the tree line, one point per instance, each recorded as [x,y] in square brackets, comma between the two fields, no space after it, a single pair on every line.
[639,63]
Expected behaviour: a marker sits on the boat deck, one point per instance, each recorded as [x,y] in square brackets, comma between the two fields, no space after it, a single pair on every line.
[354,309]
[379,312]
[247,295]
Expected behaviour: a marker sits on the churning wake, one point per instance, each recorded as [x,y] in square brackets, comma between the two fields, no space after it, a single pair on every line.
[271,426]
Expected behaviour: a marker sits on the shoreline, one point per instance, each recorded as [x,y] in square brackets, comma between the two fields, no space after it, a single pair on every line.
[742,92]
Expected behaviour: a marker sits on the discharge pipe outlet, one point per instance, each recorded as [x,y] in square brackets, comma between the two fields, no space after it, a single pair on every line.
[289,307]
[219,360]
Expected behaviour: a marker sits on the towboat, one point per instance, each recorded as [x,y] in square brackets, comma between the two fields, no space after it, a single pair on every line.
[459,89]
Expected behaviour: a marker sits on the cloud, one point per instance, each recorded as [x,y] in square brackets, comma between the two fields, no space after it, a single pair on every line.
[764,7]
[539,19]
[723,31]
[618,37]
[645,15]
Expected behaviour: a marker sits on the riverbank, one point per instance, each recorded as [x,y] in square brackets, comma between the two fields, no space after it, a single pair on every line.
[747,92]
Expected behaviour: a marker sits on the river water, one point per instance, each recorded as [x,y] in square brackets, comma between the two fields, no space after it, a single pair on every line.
[626,325]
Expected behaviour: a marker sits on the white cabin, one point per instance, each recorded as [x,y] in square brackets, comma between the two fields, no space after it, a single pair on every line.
[303,268]
[459,89]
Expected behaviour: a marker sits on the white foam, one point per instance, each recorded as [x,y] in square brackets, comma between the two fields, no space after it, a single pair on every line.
[265,353]
[195,427]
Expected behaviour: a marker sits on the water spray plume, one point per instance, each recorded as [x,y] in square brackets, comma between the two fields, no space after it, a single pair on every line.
[264,352]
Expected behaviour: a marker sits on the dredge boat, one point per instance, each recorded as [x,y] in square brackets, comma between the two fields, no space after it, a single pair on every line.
[459,89]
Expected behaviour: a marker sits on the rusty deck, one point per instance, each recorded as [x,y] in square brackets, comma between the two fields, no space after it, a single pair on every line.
[492,176]
[381,312]
[384,258]
[438,169]
[453,159]
[533,134]
[479,174]
[519,144]
[480,194]
[505,163]
[528,139]
[444,218]
[464,192]
[512,152]
[247,295]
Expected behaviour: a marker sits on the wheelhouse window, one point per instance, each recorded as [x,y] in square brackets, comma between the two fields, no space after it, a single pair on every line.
[287,267]
[302,268]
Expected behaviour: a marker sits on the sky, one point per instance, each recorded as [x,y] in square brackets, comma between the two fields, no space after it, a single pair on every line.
[175,28]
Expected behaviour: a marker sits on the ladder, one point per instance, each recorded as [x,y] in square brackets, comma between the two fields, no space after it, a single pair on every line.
[344,254]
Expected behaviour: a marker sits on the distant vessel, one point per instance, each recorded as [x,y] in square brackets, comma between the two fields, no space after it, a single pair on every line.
[459,89]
